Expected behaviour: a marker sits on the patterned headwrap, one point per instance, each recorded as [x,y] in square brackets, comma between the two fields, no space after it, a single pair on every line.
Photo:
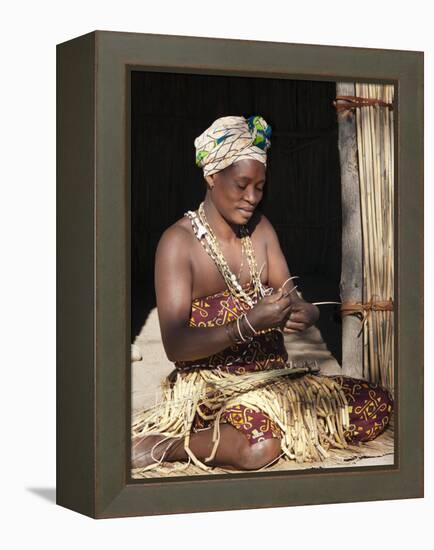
[230,139]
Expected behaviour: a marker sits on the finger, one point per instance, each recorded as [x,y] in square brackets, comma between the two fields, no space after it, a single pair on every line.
[285,299]
[290,321]
[276,296]
[285,310]
[282,305]
[301,306]
[297,317]
[293,289]
[295,326]
[284,294]
[291,331]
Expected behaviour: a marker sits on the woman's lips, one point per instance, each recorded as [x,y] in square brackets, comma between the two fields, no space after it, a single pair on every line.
[245,211]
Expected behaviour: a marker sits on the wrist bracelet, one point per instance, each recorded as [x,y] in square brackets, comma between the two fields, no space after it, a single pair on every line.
[243,335]
[239,330]
[245,329]
[255,332]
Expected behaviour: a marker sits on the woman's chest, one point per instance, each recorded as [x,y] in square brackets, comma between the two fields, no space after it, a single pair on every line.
[207,278]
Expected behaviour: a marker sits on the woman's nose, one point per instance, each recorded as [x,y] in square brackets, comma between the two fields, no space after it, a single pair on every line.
[251,196]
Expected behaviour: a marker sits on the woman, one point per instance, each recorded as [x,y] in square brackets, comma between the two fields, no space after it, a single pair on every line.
[234,400]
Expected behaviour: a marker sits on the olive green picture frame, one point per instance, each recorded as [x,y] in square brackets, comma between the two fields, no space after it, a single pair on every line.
[93,274]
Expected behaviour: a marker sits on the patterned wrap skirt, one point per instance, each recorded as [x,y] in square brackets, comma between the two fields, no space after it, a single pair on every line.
[369,405]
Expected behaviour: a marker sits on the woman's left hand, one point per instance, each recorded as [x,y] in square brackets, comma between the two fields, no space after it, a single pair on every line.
[302,316]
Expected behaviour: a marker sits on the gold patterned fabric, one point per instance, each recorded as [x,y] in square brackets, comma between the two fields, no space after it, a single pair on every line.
[265,351]
[370,407]
[254,424]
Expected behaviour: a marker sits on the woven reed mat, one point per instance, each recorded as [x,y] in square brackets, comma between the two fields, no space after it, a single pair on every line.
[380,451]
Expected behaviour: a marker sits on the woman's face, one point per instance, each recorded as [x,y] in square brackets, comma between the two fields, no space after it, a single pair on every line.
[238,189]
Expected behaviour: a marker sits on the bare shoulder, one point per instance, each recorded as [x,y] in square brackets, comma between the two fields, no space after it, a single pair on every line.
[176,239]
[261,228]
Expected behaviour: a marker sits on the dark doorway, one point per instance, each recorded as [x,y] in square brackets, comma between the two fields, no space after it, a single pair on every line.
[303,191]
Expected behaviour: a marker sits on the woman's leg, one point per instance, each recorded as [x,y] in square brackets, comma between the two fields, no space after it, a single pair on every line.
[233,452]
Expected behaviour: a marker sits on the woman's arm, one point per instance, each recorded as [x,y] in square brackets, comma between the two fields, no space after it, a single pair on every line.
[303,314]
[173,288]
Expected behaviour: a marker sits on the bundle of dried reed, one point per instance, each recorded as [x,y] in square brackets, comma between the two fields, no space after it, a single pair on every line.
[376,172]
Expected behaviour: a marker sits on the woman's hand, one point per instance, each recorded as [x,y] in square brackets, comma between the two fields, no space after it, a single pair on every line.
[270,311]
[302,316]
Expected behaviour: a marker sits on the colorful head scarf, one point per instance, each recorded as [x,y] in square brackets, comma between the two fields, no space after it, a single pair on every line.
[230,139]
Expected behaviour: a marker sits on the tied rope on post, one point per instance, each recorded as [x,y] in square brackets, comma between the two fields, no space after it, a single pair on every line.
[364,310]
[348,102]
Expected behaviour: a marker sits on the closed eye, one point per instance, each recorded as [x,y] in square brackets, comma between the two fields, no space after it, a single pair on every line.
[240,186]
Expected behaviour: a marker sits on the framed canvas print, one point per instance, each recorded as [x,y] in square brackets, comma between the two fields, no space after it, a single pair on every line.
[240,274]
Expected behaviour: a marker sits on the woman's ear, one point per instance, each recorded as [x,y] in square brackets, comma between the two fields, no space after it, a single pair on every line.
[210,181]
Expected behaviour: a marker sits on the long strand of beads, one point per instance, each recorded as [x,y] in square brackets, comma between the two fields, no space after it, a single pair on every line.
[257,285]
[211,245]
[214,251]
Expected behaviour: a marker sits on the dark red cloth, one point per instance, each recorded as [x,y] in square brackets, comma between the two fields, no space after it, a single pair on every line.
[370,408]
[266,351]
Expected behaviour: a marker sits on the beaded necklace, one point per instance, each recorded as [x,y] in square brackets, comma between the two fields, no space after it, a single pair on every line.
[209,241]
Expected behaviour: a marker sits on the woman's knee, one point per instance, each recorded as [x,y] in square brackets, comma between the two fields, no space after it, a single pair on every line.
[258,455]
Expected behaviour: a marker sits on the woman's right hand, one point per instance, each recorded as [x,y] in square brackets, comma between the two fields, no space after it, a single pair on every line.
[270,311]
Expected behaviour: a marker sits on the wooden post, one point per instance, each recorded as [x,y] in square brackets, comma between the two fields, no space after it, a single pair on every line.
[351,285]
